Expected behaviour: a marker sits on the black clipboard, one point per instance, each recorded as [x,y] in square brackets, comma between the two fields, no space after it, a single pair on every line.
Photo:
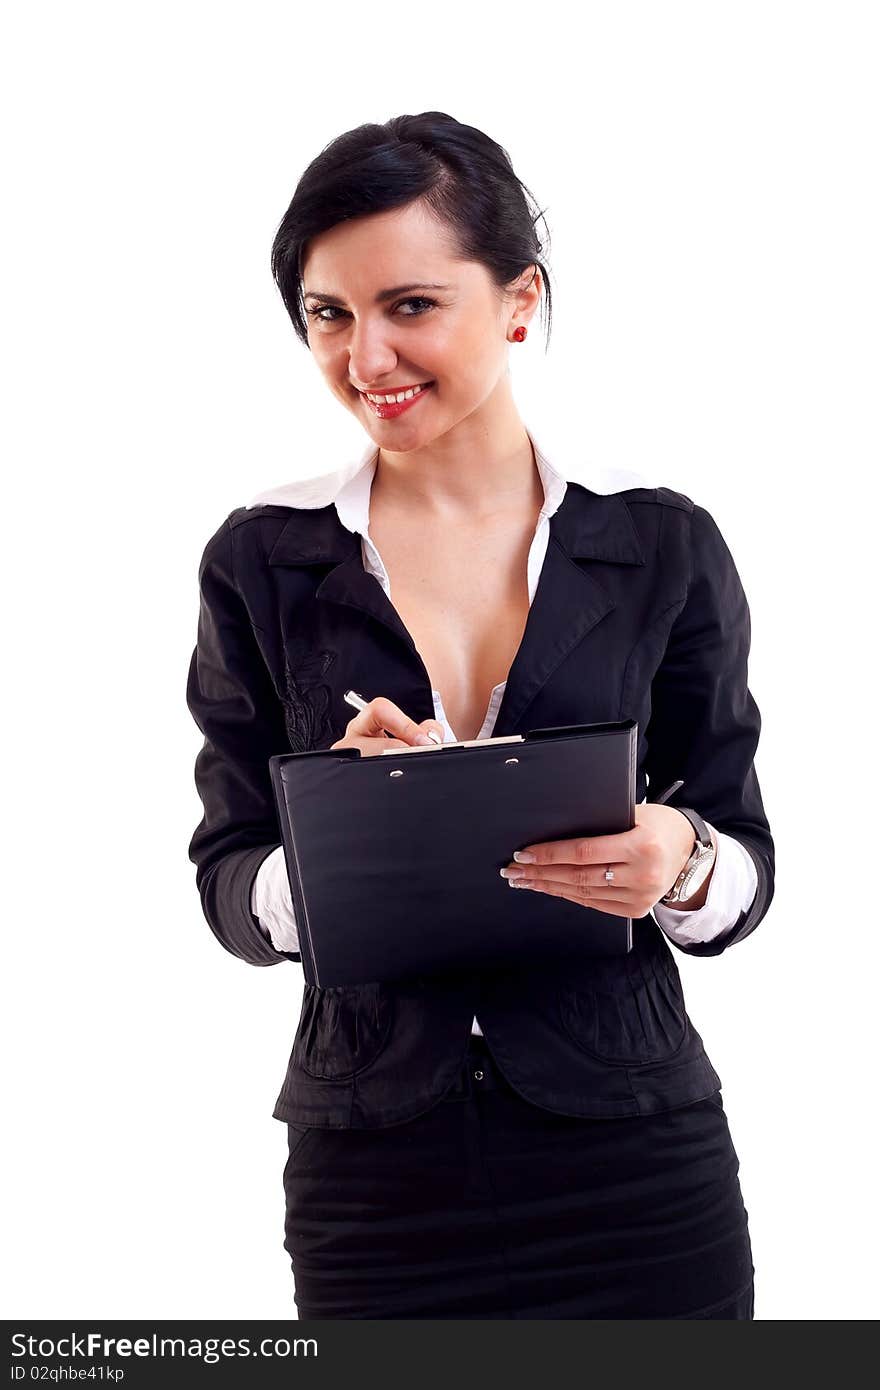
[394,859]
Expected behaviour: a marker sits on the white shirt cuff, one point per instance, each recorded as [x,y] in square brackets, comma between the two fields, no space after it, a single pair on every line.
[732,889]
[271,902]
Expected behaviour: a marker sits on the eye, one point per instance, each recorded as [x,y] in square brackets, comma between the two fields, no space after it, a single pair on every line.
[320,310]
[429,302]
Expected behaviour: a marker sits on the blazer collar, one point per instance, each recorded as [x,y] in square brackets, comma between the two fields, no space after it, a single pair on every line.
[588,518]
[587,527]
[569,600]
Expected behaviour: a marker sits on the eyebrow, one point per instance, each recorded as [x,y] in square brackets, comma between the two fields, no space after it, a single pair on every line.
[380,297]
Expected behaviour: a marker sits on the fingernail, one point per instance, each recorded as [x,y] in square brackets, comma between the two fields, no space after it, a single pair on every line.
[522,856]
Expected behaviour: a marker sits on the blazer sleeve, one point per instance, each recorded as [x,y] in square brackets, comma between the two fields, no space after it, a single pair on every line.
[705,724]
[233,701]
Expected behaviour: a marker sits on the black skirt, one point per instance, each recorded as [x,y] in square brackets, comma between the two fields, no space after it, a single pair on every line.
[487,1206]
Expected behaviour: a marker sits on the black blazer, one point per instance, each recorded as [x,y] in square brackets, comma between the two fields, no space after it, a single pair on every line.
[639,613]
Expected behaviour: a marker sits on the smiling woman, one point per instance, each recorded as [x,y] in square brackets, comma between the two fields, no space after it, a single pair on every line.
[497,1144]
[443,333]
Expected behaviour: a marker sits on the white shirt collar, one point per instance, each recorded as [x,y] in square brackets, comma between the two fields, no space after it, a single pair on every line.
[349,487]
[353,498]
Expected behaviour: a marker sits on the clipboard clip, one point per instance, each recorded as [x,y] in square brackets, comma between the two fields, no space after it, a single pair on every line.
[457,743]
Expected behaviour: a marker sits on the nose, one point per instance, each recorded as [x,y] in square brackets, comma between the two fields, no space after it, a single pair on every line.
[371,353]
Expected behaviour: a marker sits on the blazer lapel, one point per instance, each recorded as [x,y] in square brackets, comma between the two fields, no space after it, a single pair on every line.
[349,586]
[569,601]
[328,542]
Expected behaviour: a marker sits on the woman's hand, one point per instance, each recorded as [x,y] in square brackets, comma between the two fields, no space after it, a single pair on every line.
[646,862]
[366,730]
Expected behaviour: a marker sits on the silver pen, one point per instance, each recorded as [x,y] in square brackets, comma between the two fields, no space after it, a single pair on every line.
[358,702]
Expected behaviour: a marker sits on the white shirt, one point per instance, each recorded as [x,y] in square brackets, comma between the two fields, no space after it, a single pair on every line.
[734,879]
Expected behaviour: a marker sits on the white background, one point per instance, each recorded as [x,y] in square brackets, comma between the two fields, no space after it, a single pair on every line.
[708,173]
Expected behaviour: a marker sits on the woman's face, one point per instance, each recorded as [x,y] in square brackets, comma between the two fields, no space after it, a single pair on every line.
[449,326]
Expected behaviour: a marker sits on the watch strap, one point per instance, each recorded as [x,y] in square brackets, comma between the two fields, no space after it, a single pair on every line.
[701,829]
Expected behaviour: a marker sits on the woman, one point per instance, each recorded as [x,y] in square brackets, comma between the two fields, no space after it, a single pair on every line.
[500,1144]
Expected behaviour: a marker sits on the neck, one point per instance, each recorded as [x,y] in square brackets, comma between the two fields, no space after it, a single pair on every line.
[483,466]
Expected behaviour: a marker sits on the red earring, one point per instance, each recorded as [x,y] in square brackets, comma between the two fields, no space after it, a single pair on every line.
[520,333]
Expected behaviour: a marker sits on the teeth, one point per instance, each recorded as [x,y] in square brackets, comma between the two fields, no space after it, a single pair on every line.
[391,400]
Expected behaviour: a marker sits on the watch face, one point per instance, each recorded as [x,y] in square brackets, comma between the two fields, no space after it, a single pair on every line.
[698,874]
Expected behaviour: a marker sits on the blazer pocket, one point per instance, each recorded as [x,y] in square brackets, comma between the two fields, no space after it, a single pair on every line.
[628,1017]
[342,1029]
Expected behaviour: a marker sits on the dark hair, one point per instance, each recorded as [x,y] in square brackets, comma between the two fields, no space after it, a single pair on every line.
[465,178]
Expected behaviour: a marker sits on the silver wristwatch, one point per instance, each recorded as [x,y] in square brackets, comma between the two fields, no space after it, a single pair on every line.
[698,866]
